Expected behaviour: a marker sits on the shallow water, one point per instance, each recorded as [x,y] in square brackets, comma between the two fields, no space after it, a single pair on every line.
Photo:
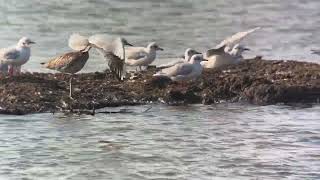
[226,141]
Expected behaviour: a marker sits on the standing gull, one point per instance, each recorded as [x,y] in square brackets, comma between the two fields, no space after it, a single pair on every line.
[15,57]
[141,56]
[71,62]
[185,58]
[184,71]
[218,57]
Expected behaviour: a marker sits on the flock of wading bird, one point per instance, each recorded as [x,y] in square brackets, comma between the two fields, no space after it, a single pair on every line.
[119,53]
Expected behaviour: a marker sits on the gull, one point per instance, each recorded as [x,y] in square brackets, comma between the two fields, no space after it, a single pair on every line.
[111,49]
[231,41]
[185,58]
[15,57]
[141,56]
[218,57]
[71,62]
[184,71]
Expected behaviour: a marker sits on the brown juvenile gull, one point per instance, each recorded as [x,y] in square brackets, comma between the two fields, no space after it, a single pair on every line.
[69,63]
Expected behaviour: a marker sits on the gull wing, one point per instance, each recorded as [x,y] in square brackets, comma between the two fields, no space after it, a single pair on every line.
[63,61]
[78,42]
[9,54]
[179,69]
[135,53]
[216,51]
[236,38]
[113,51]
[170,64]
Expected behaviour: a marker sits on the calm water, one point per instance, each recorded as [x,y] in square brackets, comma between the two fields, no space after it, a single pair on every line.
[226,141]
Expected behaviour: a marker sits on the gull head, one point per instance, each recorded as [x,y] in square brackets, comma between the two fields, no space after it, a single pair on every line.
[238,49]
[25,42]
[154,46]
[125,42]
[197,58]
[189,53]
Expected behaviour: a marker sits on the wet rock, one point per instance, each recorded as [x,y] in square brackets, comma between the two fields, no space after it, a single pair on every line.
[256,81]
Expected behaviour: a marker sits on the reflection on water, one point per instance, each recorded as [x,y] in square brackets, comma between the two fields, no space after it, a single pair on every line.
[229,141]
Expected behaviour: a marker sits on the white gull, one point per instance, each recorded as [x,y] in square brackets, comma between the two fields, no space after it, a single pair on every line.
[184,71]
[15,57]
[185,58]
[141,56]
[218,57]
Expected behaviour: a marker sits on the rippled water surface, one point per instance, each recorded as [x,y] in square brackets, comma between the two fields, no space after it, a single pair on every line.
[226,141]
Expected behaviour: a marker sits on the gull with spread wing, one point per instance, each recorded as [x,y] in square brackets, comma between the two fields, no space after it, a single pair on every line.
[113,50]
[218,57]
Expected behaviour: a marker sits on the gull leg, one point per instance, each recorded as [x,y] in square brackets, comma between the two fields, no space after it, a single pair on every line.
[18,70]
[70,87]
[11,70]
[140,68]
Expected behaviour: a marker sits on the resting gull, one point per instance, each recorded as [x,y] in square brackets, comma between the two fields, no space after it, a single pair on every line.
[15,57]
[185,58]
[218,57]
[184,71]
[141,56]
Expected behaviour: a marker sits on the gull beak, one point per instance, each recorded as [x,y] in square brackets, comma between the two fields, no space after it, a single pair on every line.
[196,52]
[128,44]
[32,42]
[182,57]
[159,48]
[205,60]
[246,49]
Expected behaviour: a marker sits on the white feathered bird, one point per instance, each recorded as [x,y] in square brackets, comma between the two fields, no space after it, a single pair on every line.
[218,57]
[142,56]
[183,71]
[185,58]
[231,41]
[229,51]
[15,57]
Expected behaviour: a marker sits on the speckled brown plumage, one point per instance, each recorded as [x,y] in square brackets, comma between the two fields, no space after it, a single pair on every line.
[71,62]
